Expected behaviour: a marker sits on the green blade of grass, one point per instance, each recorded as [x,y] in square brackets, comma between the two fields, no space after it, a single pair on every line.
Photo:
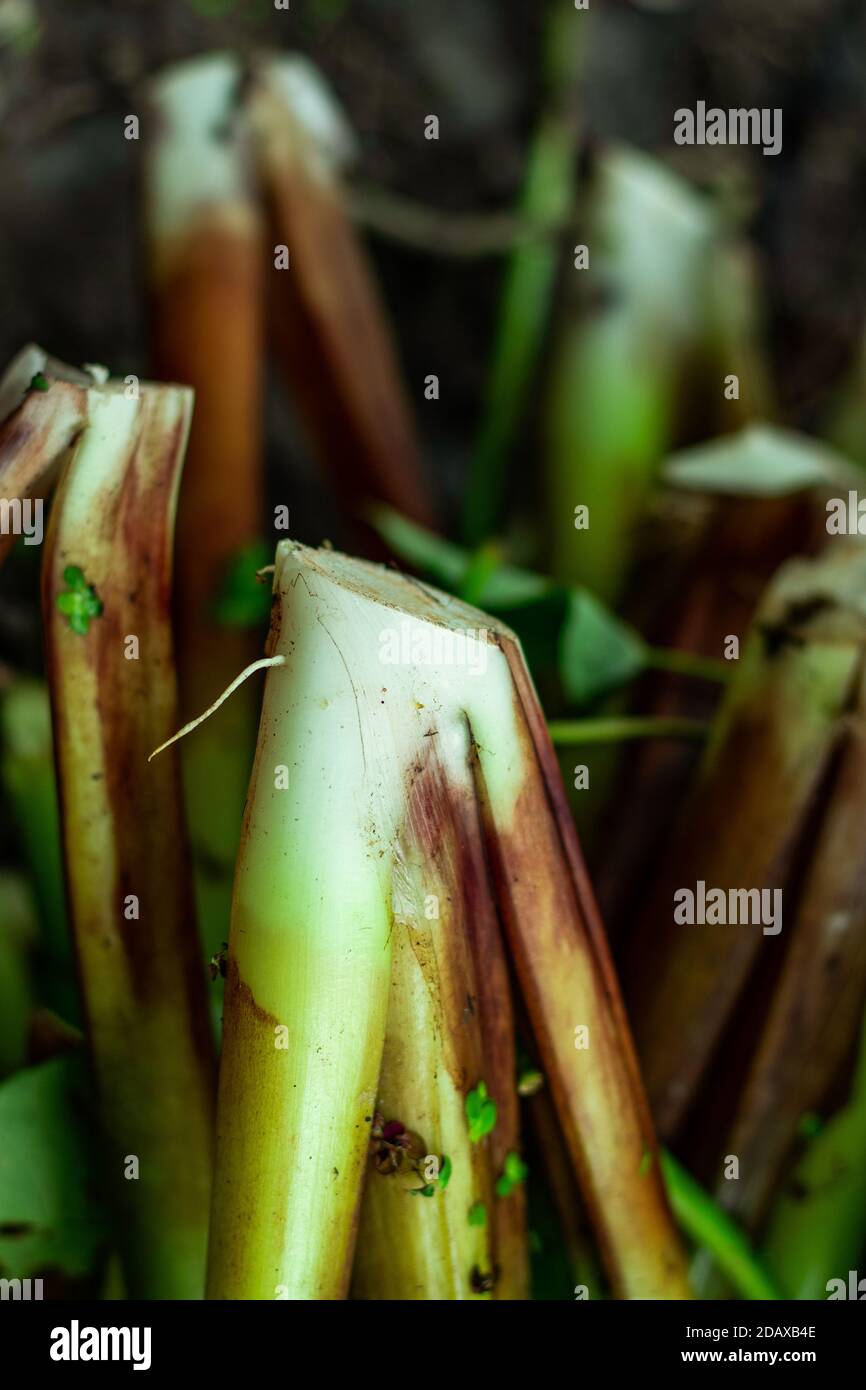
[708,1226]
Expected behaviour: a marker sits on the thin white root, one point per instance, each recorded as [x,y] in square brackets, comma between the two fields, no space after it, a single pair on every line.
[229,690]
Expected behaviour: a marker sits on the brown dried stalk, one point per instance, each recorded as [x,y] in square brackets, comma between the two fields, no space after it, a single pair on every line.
[741,827]
[329,325]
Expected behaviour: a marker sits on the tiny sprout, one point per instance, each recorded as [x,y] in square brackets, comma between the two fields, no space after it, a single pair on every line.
[39,382]
[478,1214]
[445,1172]
[480,1112]
[514,1174]
[78,603]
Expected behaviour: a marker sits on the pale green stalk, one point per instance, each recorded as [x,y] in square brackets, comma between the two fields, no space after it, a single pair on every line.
[377,679]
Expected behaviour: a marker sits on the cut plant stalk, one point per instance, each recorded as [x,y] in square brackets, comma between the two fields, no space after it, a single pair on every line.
[620,359]
[42,409]
[765,763]
[106,591]
[353,712]
[328,323]
[205,246]
[449,1022]
[752,501]
[812,1019]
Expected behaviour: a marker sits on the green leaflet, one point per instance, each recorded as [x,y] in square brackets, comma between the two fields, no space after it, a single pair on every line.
[565,631]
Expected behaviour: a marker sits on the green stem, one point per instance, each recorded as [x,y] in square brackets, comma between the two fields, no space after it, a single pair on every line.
[706,1224]
[547,194]
[569,731]
[708,668]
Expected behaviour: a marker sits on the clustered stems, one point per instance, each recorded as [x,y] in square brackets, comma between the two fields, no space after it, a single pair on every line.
[106,591]
[818,997]
[429,766]
[741,827]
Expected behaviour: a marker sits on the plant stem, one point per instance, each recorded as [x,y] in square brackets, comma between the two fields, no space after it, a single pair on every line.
[768,753]
[530,276]
[685,663]
[392,756]
[106,591]
[569,731]
[37,426]
[331,332]
[205,246]
[709,1226]
[445,960]
[628,329]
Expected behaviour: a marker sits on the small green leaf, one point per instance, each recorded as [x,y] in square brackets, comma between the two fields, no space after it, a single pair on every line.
[566,633]
[80,602]
[428,1191]
[478,1214]
[39,382]
[515,1173]
[445,1172]
[480,1112]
